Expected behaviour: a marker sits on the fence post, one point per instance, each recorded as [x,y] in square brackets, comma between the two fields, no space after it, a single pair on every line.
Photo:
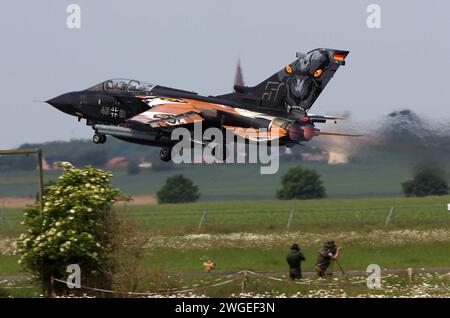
[204,219]
[388,219]
[291,218]
[244,282]
[52,284]
[410,272]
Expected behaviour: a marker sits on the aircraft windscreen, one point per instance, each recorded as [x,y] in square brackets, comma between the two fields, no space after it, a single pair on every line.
[122,85]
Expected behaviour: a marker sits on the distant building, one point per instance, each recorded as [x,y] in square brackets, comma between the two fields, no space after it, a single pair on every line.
[336,158]
[145,165]
[46,165]
[315,156]
[117,162]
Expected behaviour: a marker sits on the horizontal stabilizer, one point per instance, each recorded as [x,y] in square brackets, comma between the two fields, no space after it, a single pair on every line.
[327,133]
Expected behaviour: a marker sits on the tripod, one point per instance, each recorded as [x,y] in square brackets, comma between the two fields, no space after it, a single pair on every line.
[340,267]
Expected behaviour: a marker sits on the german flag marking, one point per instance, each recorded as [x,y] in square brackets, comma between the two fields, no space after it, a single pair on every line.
[338,57]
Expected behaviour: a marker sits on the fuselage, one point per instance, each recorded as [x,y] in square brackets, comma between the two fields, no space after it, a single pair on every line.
[147,114]
[115,102]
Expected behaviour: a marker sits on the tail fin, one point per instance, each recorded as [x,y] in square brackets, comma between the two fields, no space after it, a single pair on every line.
[295,88]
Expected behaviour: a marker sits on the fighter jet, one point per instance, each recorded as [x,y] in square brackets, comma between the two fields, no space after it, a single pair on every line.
[144,113]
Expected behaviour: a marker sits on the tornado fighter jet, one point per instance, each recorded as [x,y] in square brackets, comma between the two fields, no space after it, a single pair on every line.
[146,114]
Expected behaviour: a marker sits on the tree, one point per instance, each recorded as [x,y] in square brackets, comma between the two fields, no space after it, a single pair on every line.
[178,189]
[427,181]
[76,226]
[301,183]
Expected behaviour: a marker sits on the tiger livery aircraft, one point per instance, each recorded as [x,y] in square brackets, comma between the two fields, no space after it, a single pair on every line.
[143,113]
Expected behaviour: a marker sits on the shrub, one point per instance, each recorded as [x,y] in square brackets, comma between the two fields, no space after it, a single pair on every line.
[300,183]
[178,189]
[426,181]
[76,226]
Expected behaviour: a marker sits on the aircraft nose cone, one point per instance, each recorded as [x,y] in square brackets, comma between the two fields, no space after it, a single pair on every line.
[63,103]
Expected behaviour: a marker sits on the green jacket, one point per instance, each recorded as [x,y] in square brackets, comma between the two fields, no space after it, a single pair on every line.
[294,260]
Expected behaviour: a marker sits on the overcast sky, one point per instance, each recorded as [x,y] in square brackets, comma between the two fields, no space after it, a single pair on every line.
[195,45]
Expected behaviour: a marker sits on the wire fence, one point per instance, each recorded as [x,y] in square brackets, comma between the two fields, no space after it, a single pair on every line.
[241,276]
[244,278]
[291,217]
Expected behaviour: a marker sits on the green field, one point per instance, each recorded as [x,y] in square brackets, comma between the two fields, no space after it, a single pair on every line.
[252,235]
[310,215]
[327,219]
[242,182]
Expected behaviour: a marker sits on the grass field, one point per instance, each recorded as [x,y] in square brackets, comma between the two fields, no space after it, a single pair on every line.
[242,182]
[252,235]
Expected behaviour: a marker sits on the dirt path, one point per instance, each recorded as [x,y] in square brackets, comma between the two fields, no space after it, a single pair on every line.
[10,202]
[13,202]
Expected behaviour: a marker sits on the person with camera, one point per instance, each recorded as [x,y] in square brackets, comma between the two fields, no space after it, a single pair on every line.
[294,259]
[328,253]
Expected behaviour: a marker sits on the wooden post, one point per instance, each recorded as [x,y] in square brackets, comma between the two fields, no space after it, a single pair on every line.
[410,272]
[244,281]
[52,284]
[41,179]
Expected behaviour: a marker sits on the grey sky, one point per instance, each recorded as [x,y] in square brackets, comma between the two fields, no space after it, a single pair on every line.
[195,45]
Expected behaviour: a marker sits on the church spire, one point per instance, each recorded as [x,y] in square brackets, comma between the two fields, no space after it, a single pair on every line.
[239,79]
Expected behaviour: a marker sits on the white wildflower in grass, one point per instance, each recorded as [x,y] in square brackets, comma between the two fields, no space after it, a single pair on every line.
[243,239]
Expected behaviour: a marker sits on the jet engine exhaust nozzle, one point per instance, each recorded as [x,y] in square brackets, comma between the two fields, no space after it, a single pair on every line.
[298,132]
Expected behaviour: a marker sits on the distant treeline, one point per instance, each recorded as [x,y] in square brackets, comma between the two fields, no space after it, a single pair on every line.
[78,152]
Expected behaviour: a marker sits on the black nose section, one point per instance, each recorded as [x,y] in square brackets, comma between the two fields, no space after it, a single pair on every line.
[64,103]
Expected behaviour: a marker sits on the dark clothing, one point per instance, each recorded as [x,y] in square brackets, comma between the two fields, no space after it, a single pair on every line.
[294,259]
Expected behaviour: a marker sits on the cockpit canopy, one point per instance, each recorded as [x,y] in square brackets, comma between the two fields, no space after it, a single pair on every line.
[122,85]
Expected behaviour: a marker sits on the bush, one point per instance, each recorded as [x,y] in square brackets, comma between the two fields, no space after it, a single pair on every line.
[426,181]
[300,183]
[76,226]
[46,186]
[178,189]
